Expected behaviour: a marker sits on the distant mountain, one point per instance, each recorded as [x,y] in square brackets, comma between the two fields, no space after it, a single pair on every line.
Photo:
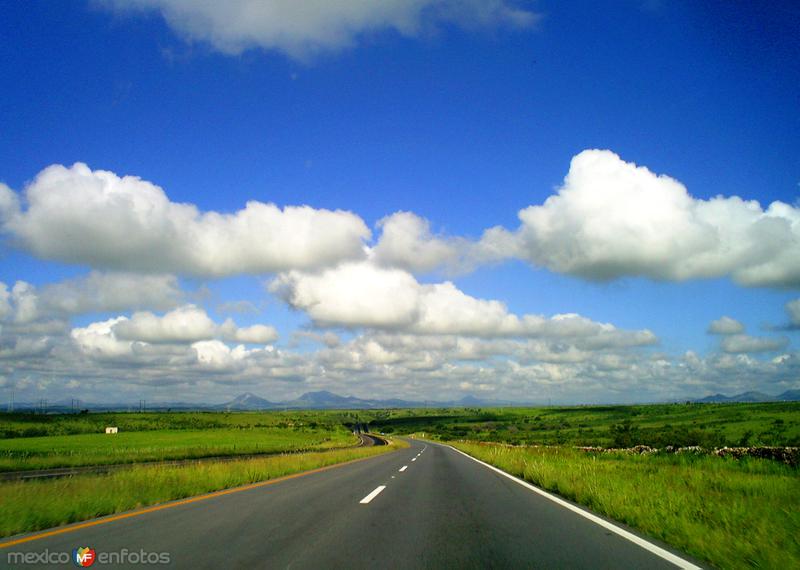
[247,401]
[789,396]
[328,400]
[470,401]
[323,399]
[745,397]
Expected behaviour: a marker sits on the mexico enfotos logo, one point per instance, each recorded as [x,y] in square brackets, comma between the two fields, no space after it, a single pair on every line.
[85,556]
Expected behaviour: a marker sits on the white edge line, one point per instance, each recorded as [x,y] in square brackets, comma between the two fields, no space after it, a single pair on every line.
[657,550]
[403,468]
[372,495]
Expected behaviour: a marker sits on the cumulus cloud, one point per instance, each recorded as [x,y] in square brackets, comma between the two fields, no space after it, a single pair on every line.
[98,339]
[383,363]
[793,310]
[9,203]
[187,324]
[302,29]
[95,293]
[22,347]
[184,324]
[255,334]
[97,218]
[6,309]
[725,325]
[612,219]
[352,295]
[742,343]
[104,292]
[109,341]
[366,295]
[407,242]
[218,355]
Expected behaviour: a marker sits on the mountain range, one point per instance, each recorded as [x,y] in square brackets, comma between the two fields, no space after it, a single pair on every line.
[324,400]
[328,400]
[751,397]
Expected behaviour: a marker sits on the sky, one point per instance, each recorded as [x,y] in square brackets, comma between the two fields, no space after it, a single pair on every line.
[525,201]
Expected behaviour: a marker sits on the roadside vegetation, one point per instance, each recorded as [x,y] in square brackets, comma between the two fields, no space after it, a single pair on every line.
[42,441]
[730,513]
[657,425]
[14,425]
[135,447]
[27,506]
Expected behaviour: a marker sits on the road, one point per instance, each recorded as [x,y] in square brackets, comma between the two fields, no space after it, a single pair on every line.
[427,506]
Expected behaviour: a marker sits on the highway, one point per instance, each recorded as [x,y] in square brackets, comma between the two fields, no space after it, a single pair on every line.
[427,506]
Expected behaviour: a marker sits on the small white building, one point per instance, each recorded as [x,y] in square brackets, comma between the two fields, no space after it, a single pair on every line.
[112,429]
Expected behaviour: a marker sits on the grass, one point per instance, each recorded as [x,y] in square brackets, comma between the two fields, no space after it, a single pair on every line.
[733,514]
[133,447]
[14,425]
[657,425]
[34,505]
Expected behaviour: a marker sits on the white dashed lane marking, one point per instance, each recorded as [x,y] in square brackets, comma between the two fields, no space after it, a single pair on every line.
[372,495]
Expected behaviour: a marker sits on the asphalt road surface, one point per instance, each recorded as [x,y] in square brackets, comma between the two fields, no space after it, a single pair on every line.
[427,506]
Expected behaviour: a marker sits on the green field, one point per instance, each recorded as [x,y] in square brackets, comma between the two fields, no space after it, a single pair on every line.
[133,447]
[731,513]
[32,425]
[658,425]
[33,505]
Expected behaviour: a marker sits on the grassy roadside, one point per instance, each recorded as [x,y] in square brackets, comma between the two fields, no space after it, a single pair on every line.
[733,514]
[48,452]
[35,505]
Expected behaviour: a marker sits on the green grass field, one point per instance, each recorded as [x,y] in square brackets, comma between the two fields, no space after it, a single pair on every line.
[133,447]
[657,425]
[733,514]
[34,505]
[33,425]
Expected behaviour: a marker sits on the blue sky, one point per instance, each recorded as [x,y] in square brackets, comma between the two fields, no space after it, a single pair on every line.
[462,113]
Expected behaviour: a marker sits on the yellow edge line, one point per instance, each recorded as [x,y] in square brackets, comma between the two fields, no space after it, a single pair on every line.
[178,503]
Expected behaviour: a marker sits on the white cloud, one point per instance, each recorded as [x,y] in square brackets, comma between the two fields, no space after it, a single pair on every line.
[188,324]
[98,339]
[793,309]
[302,29]
[725,325]
[6,309]
[96,292]
[23,347]
[367,295]
[742,343]
[612,219]
[24,300]
[104,292]
[406,242]
[353,294]
[255,334]
[183,337]
[9,204]
[182,325]
[218,355]
[77,215]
